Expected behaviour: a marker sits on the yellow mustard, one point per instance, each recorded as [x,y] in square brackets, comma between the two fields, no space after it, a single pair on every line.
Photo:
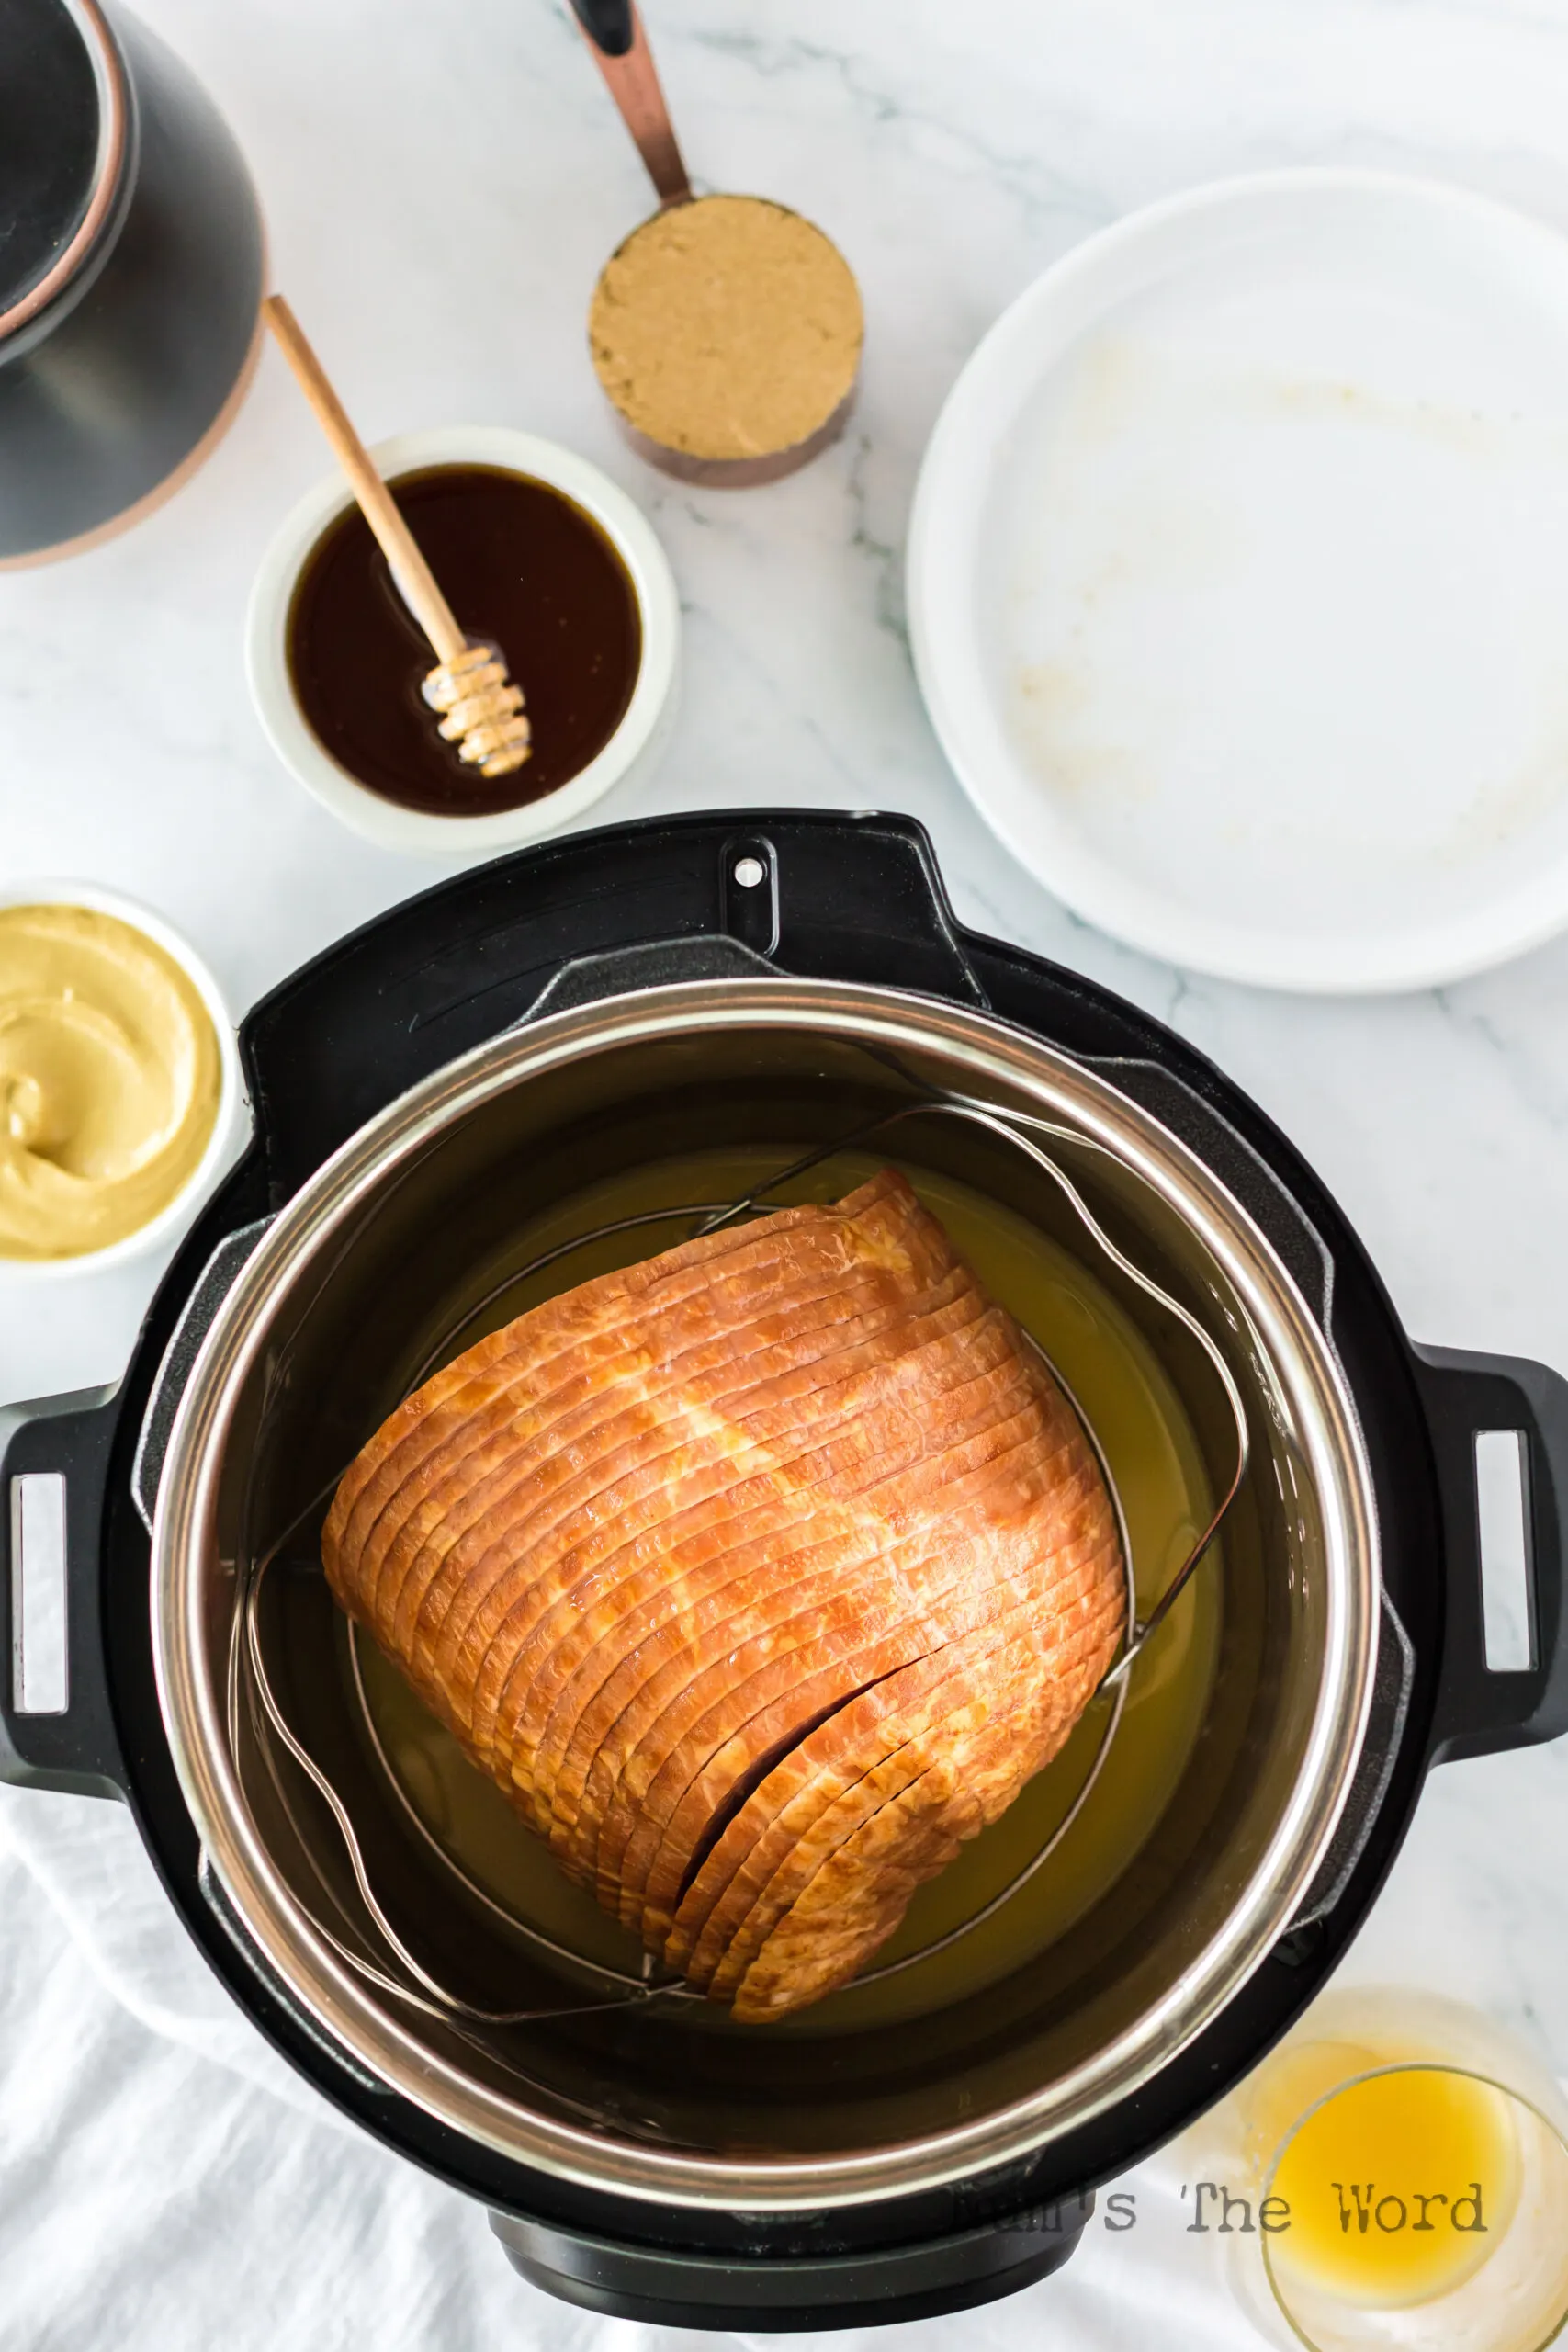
[109,1080]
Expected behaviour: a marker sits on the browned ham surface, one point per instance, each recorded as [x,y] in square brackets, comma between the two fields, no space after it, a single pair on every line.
[760,1575]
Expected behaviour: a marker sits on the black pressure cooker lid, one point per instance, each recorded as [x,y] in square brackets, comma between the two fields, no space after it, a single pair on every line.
[856,898]
[52,146]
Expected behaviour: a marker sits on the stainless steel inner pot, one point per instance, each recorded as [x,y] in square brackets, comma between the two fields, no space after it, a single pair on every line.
[336,1303]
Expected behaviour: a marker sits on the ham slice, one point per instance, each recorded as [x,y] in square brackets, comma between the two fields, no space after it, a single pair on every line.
[718,1638]
[422,1505]
[527,1440]
[954,1730]
[1071,1638]
[946,1579]
[797,1445]
[576,1349]
[758,1575]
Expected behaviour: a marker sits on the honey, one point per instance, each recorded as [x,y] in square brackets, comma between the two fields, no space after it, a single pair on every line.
[526,569]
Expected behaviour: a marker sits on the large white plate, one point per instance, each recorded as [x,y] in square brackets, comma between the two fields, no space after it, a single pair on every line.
[1238,581]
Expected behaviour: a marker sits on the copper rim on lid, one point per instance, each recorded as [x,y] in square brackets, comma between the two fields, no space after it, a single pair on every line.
[114,136]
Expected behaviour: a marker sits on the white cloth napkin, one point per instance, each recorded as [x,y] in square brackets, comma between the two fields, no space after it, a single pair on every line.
[168,2184]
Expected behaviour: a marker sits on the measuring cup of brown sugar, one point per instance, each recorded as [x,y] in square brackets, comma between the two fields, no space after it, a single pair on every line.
[539,554]
[727,330]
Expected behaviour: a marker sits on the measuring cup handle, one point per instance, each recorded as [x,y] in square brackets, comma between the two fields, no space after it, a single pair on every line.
[57,1727]
[608,24]
[1481,1710]
[614,32]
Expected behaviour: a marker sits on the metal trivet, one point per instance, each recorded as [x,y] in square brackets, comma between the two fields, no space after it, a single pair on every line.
[249,1682]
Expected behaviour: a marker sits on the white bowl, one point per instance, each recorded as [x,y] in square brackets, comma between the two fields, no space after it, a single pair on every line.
[228,1127]
[1235,573]
[632,749]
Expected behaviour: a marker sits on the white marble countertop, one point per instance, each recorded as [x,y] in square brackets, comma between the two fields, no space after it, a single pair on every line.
[441,182]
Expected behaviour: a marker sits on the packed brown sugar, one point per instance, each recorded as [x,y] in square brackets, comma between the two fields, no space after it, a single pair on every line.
[727,328]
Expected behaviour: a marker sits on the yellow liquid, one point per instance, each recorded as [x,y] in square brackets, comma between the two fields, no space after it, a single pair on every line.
[1159,1473]
[1398,2185]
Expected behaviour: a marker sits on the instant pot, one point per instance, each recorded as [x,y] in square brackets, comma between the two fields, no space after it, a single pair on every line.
[463,1066]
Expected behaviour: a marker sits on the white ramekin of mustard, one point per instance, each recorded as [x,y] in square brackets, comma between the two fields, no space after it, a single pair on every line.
[120,1091]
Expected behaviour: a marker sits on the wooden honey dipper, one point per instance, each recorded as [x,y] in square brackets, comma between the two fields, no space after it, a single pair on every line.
[482,709]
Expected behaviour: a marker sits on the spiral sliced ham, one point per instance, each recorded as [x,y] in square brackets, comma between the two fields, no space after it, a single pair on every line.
[760,1575]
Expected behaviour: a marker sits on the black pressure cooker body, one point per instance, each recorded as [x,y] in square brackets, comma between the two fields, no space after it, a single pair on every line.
[842,898]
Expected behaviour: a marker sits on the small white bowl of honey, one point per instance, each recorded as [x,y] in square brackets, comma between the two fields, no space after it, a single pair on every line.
[539,555]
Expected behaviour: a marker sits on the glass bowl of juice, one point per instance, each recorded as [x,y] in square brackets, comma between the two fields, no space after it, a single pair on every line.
[1408,2170]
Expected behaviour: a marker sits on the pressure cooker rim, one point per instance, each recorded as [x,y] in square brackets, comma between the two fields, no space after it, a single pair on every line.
[373,2034]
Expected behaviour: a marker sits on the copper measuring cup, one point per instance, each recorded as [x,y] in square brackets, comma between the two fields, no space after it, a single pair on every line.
[614,33]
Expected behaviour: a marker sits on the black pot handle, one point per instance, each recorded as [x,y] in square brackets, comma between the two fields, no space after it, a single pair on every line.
[607,23]
[57,1728]
[1481,1710]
